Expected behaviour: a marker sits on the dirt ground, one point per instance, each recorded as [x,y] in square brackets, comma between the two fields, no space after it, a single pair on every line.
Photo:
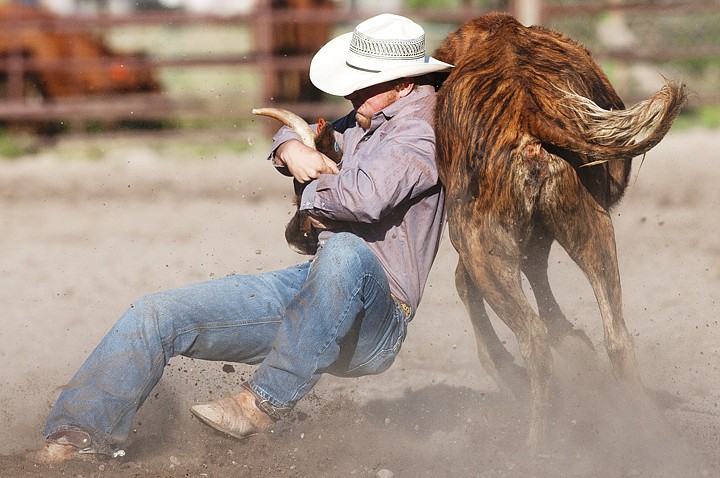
[81,239]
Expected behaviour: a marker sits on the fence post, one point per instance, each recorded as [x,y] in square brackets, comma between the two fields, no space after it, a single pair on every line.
[263,50]
[16,64]
[527,12]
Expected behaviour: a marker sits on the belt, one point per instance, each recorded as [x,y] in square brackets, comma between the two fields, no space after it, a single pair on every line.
[406,308]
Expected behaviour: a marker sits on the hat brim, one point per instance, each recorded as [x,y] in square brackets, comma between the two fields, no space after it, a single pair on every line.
[330,72]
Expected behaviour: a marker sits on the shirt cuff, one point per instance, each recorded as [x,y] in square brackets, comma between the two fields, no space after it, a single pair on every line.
[307,201]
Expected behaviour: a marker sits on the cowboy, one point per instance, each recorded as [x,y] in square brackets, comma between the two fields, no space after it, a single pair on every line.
[345,312]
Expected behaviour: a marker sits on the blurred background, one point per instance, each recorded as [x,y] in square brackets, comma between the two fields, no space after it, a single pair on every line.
[101,66]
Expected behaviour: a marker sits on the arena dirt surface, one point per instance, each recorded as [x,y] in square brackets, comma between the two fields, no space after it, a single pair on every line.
[82,239]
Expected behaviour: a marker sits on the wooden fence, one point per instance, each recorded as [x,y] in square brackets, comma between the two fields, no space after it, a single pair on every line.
[160,106]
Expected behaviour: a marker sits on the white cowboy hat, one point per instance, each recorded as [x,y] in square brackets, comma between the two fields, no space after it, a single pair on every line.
[382,48]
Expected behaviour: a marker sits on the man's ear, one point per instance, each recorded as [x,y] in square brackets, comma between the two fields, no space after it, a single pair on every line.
[405,86]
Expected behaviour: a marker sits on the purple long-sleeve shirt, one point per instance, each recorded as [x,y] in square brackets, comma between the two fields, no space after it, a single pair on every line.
[387,189]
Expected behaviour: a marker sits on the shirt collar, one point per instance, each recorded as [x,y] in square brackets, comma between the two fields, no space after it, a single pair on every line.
[389,112]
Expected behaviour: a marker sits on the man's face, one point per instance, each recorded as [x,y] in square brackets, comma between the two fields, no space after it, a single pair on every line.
[372,99]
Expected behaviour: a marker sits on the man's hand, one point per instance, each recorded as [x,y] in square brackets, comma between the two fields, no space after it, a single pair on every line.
[304,163]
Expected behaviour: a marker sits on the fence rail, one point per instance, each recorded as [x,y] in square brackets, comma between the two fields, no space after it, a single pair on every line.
[161,106]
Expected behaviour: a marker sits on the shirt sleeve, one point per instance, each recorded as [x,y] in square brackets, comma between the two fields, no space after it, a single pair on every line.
[401,166]
[284,134]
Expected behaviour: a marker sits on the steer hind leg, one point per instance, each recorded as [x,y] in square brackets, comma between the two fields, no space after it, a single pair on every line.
[498,277]
[494,357]
[586,232]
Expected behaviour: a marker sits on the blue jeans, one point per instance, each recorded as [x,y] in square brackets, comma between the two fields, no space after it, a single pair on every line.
[334,314]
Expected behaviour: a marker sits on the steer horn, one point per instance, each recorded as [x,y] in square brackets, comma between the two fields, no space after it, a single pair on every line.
[291,120]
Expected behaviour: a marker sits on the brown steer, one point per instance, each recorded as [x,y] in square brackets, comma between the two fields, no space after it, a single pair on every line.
[300,233]
[534,146]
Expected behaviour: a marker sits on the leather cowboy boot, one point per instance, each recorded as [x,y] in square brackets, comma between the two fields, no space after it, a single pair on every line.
[239,416]
[62,446]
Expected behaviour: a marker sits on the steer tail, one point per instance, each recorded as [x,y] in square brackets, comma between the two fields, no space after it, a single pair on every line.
[602,135]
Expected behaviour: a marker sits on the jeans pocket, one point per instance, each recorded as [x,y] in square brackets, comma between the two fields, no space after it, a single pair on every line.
[385,355]
[377,364]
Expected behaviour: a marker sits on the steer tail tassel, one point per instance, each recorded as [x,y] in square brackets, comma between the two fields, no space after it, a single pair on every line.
[612,134]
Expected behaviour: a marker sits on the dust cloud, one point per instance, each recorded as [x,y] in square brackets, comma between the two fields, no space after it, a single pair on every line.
[82,239]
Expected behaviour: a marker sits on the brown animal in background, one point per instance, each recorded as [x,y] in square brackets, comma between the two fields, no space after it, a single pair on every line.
[300,234]
[109,72]
[534,146]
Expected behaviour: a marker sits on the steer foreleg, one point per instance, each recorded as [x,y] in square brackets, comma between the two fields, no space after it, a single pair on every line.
[571,343]
[494,357]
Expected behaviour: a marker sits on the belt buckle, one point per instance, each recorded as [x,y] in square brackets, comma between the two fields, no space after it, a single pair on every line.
[406,308]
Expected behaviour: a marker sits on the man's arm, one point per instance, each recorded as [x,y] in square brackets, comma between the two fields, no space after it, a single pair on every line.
[303,163]
[398,169]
